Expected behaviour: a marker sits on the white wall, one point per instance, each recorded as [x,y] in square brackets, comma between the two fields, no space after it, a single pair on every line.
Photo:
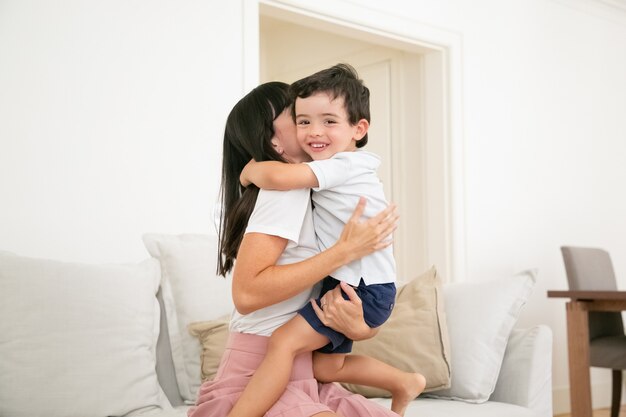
[111,117]
[545,139]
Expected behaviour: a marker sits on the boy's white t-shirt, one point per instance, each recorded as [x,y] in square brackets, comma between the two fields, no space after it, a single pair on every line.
[342,180]
[286,214]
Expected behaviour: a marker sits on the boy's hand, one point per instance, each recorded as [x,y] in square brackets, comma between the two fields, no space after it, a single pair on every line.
[244,176]
[277,175]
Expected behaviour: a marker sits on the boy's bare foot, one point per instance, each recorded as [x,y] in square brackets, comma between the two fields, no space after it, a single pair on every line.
[409,388]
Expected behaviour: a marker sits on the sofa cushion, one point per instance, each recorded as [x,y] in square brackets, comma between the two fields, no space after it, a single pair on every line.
[480,317]
[212,335]
[431,407]
[526,374]
[191,292]
[415,338]
[76,339]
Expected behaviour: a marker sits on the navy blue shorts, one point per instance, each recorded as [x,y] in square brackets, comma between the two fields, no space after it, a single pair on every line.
[377,299]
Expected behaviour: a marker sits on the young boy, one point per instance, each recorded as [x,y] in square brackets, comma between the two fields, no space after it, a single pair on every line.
[331,112]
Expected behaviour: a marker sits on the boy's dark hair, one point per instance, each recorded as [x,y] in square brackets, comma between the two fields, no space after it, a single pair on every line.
[340,80]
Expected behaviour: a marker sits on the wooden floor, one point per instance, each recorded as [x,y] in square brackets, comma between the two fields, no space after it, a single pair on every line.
[605,412]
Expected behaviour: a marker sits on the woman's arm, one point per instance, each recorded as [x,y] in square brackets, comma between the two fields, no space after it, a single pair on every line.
[258,282]
[274,175]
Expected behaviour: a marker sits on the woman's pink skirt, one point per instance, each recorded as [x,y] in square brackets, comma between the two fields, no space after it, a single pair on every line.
[304,396]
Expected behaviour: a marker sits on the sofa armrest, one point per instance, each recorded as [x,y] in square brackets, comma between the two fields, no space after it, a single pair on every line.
[526,375]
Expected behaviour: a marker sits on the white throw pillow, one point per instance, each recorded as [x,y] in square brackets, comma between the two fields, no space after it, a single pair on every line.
[191,292]
[480,317]
[78,340]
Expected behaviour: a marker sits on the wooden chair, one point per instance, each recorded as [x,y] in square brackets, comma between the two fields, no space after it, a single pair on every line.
[591,269]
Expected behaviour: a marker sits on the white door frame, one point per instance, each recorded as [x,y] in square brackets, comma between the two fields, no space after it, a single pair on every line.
[442,52]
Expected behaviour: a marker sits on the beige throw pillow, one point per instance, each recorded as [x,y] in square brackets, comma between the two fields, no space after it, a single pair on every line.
[212,335]
[415,338]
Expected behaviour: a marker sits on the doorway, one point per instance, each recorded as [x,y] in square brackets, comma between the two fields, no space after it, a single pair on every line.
[408,128]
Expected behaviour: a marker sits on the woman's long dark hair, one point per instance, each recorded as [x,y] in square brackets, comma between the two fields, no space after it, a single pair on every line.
[248,134]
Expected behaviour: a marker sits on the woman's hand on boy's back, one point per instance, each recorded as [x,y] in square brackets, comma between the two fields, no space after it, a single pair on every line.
[360,238]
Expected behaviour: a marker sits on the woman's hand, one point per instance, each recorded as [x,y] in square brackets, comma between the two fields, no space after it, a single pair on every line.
[361,238]
[358,238]
[259,282]
[344,316]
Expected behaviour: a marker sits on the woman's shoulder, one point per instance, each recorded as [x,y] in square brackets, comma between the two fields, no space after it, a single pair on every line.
[275,196]
[277,202]
[280,213]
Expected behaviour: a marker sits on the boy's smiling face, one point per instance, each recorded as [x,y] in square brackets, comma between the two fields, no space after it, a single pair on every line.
[323,127]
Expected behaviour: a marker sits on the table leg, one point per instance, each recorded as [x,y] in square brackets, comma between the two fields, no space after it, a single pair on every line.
[578,356]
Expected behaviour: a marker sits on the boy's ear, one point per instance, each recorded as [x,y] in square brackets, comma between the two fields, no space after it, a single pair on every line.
[362,126]
[276,145]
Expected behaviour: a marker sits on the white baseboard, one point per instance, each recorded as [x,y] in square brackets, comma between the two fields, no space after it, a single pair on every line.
[600,397]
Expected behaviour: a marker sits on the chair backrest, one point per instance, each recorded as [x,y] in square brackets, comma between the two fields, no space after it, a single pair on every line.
[592,269]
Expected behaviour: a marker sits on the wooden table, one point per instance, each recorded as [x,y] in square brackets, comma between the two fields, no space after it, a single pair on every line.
[577,311]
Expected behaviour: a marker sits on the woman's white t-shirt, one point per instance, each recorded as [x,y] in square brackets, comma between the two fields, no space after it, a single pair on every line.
[286,214]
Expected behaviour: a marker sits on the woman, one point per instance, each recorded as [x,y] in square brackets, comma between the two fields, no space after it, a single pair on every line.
[271,235]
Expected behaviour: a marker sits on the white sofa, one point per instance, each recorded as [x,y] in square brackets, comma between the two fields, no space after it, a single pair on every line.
[55,315]
[524,387]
